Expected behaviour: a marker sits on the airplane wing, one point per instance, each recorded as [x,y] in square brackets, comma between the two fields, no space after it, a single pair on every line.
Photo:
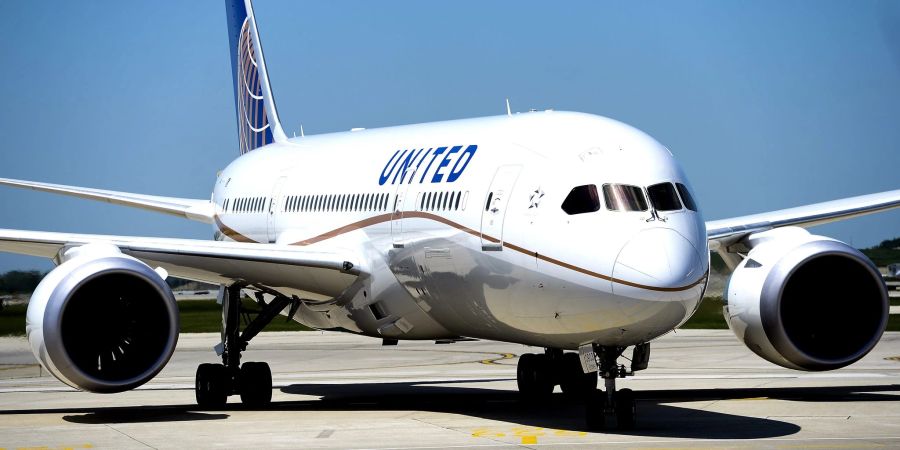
[316,275]
[727,231]
[199,210]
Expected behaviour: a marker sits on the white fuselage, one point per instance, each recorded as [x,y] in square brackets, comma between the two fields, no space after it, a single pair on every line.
[464,234]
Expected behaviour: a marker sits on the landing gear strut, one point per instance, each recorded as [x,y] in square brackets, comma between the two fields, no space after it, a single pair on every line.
[252,380]
[619,404]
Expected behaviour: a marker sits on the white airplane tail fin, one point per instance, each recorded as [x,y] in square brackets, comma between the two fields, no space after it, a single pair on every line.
[257,118]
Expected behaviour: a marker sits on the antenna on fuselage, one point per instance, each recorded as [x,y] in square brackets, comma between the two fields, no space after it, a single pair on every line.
[301,130]
[508,111]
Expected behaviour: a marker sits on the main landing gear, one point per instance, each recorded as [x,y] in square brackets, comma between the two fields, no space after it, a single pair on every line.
[538,374]
[251,380]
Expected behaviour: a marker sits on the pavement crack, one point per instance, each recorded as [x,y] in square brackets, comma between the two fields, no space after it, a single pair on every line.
[129,436]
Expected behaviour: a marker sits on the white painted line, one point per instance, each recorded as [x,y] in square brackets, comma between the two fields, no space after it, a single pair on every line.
[761,376]
[597,443]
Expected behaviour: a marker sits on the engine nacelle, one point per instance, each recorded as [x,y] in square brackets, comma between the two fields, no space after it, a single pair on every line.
[102,321]
[806,302]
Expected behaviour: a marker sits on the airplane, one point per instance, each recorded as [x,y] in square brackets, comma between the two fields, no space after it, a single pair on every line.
[567,231]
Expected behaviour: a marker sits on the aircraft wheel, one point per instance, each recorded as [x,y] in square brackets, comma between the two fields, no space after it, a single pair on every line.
[595,410]
[533,375]
[625,409]
[211,385]
[256,384]
[574,382]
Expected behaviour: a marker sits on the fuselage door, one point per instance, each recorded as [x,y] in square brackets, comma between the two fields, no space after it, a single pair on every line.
[495,205]
[400,205]
[274,200]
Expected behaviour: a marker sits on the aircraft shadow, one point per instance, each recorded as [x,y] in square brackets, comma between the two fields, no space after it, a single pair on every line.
[657,414]
[125,414]
[655,417]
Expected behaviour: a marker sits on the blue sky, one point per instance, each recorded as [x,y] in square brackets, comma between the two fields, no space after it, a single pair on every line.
[767,104]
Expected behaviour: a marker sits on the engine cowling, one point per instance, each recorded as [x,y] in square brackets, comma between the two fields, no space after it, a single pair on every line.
[806,302]
[102,321]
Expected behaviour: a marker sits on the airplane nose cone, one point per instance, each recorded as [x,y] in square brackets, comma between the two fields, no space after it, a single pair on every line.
[657,259]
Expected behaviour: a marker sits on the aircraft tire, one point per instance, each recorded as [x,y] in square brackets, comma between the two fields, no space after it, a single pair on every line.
[573,381]
[625,409]
[595,411]
[256,384]
[533,375]
[211,385]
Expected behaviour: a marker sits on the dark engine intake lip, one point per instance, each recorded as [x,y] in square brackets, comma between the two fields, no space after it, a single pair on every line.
[772,306]
[66,290]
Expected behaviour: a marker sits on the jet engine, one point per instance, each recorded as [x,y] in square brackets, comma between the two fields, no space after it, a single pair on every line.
[806,302]
[102,321]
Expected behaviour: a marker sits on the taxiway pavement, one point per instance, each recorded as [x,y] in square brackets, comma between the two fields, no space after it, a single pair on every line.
[703,389]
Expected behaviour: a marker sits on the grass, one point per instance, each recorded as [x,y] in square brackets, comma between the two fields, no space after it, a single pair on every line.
[205,316]
[197,316]
[882,256]
[12,320]
[708,316]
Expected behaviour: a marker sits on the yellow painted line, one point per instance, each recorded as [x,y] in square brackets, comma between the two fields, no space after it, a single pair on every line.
[753,398]
[568,433]
[484,432]
[527,435]
[501,358]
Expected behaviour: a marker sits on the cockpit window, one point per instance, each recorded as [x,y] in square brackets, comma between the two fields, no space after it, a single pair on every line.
[663,197]
[622,197]
[686,197]
[582,199]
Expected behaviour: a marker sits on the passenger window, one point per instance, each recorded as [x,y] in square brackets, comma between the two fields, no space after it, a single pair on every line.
[623,197]
[582,199]
[686,197]
[663,197]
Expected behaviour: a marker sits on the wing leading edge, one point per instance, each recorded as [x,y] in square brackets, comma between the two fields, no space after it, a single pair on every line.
[313,275]
[726,231]
[198,210]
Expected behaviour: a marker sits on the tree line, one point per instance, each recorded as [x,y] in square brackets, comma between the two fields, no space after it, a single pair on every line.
[25,281]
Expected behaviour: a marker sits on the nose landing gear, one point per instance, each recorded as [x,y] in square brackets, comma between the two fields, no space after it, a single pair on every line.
[619,404]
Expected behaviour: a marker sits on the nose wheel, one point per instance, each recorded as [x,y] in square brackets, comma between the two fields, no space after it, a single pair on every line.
[621,404]
[214,383]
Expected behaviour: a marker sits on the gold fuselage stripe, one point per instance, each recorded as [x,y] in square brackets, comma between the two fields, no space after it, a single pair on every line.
[381,218]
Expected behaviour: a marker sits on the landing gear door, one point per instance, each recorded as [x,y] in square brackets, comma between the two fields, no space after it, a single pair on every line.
[495,205]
